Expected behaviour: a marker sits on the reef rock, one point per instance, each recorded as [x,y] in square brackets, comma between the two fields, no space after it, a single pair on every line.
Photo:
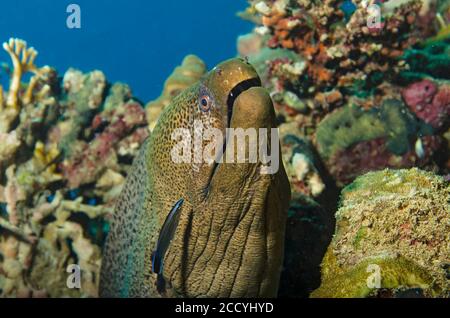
[391,238]
[353,141]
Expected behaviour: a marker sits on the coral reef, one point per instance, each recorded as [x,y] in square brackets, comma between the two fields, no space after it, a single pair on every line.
[396,221]
[431,59]
[300,162]
[340,53]
[353,88]
[351,97]
[66,146]
[65,150]
[353,141]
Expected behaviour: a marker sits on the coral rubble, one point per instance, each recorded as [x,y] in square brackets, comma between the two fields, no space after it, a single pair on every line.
[396,221]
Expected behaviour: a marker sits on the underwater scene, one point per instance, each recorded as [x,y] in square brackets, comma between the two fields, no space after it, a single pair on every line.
[250,149]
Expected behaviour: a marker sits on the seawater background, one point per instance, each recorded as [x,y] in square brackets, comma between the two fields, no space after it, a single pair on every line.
[138,42]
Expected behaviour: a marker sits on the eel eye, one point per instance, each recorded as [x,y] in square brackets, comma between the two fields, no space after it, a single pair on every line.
[205,103]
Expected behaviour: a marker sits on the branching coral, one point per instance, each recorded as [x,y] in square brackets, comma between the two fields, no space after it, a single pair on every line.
[57,185]
[23,62]
[338,52]
[337,84]
[37,91]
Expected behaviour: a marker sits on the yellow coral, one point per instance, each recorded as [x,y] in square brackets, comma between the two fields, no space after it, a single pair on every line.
[23,61]
[46,156]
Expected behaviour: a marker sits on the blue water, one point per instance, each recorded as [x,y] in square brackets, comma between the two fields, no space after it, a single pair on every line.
[134,41]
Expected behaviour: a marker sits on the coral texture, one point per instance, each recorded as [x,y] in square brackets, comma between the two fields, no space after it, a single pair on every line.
[65,150]
[350,98]
[430,102]
[356,91]
[398,220]
[353,141]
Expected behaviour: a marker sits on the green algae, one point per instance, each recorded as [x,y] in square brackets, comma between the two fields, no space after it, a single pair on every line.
[396,272]
[359,236]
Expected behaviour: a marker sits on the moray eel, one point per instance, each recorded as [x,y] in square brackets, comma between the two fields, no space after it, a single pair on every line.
[224,223]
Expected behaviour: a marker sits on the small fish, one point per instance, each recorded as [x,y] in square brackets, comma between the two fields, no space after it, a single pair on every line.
[165,237]
[419,148]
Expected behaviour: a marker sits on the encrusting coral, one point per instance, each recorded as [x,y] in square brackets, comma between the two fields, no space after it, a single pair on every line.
[353,141]
[395,224]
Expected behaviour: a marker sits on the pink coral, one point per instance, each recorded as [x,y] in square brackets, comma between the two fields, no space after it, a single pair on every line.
[98,155]
[428,101]
[373,155]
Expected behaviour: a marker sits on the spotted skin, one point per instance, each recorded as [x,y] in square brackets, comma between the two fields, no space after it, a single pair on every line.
[229,241]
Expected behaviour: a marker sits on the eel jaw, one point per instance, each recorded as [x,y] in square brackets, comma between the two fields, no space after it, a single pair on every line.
[236,91]
[232,96]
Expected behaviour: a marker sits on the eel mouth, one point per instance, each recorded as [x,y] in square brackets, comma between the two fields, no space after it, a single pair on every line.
[232,96]
[238,90]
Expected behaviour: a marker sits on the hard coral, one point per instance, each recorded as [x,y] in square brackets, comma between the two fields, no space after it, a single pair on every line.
[65,149]
[332,58]
[23,61]
[333,47]
[96,157]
